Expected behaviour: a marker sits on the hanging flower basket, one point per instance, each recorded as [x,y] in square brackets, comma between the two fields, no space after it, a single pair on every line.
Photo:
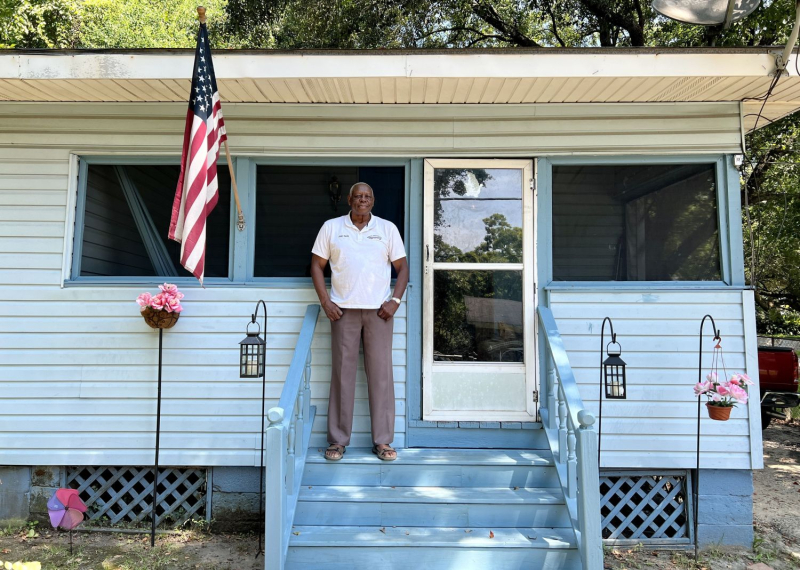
[163,310]
[159,319]
[723,394]
[719,413]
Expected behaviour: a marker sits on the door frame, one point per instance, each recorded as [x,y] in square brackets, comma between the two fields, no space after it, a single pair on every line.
[529,271]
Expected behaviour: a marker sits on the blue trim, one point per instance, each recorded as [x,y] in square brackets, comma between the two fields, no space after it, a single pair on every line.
[76,280]
[237,267]
[735,237]
[729,258]
[414,214]
[80,216]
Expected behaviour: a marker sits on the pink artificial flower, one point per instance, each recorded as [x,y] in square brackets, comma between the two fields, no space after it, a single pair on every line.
[723,390]
[716,397]
[739,394]
[144,299]
[702,388]
[711,377]
[734,381]
[157,302]
[746,379]
[168,288]
[173,305]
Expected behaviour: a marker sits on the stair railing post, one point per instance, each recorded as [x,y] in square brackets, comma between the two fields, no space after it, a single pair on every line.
[589,514]
[562,425]
[552,409]
[572,461]
[275,508]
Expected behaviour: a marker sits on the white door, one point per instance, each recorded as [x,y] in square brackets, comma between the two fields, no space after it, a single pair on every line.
[479,311]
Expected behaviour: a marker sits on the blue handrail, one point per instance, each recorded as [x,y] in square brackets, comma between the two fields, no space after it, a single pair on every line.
[573,441]
[288,436]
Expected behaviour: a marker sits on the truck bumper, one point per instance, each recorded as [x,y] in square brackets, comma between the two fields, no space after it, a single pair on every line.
[780,400]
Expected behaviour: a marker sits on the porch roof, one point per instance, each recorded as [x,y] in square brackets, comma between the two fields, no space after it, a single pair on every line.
[390,77]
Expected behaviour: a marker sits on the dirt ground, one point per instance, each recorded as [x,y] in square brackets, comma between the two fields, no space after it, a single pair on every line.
[776,516]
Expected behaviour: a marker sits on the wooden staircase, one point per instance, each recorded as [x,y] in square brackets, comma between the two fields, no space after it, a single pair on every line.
[432,509]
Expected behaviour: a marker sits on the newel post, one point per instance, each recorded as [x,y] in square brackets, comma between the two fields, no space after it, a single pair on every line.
[589,516]
[275,508]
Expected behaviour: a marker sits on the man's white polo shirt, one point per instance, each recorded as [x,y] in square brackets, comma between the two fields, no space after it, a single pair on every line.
[360,260]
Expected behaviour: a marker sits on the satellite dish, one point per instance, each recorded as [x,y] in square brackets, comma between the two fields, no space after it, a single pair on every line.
[706,12]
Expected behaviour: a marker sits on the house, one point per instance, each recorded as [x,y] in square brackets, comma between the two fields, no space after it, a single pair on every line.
[537,191]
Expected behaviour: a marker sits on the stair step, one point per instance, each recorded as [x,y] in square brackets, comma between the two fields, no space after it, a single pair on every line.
[549,538]
[492,457]
[431,506]
[435,468]
[473,495]
[367,548]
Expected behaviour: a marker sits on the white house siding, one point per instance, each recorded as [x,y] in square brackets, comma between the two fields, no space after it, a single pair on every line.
[78,365]
[658,330]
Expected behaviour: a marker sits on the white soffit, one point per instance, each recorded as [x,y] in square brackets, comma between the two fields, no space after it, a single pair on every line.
[385,77]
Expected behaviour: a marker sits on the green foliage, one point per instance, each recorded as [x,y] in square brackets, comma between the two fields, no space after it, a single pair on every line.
[38,23]
[143,24]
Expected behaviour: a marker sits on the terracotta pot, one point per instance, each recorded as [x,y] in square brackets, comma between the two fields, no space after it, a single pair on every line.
[719,413]
[159,319]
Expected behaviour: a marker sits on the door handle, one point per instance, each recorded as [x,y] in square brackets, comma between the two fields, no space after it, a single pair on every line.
[428,253]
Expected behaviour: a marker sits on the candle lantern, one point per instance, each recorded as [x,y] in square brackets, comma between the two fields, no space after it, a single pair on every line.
[614,371]
[252,352]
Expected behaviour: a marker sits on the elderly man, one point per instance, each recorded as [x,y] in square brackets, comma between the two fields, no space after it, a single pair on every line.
[361,248]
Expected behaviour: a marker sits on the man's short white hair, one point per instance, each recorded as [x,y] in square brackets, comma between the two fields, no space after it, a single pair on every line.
[353,187]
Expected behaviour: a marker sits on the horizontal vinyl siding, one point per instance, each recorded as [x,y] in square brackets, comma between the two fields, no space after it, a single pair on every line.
[78,370]
[403,130]
[656,425]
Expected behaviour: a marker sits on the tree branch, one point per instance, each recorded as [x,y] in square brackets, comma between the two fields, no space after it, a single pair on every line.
[511,33]
[600,9]
[549,8]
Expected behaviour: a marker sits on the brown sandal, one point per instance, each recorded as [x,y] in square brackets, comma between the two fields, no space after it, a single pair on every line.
[382,453]
[334,448]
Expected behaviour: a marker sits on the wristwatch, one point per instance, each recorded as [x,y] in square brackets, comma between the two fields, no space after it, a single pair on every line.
[396,300]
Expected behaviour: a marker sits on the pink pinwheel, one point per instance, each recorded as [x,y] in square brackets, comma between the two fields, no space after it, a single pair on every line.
[66,509]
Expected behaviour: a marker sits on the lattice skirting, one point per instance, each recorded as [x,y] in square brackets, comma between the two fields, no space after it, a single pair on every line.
[119,495]
[651,508]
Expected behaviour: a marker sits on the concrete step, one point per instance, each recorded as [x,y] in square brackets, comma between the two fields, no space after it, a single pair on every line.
[431,506]
[373,547]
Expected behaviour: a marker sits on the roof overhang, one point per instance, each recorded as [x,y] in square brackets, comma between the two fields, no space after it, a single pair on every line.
[390,77]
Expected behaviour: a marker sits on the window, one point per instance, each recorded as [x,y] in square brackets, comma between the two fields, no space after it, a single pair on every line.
[126,221]
[292,203]
[635,223]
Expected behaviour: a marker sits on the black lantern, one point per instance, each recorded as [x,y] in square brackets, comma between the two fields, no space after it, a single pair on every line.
[252,351]
[252,354]
[614,371]
[335,192]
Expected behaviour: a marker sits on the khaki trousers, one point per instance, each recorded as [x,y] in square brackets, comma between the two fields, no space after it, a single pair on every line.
[346,336]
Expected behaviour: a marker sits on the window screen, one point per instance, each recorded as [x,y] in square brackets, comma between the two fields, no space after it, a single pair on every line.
[292,203]
[126,223]
[635,223]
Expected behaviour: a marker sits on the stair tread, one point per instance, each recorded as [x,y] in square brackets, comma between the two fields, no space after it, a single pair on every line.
[456,495]
[338,536]
[500,457]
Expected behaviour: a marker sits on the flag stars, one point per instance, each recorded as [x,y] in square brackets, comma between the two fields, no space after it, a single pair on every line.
[202,58]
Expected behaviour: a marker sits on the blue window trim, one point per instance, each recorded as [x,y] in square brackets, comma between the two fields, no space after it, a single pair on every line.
[726,186]
[76,279]
[253,163]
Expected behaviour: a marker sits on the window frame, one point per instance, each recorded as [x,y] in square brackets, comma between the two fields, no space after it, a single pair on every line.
[73,276]
[241,253]
[254,162]
[731,254]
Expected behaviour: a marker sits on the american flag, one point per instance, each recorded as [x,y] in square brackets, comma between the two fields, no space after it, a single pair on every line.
[196,194]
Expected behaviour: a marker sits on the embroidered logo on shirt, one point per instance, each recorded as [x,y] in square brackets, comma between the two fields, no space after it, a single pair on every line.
[374,237]
[343,235]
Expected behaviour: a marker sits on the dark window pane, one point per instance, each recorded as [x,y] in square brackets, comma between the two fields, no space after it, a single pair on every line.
[126,223]
[477,316]
[635,223]
[292,203]
[477,215]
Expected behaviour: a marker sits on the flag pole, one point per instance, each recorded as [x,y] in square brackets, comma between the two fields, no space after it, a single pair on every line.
[201,15]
